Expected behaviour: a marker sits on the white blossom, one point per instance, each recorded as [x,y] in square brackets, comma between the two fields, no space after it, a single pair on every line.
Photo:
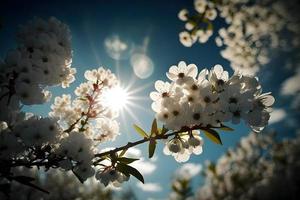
[182,15]
[186,38]
[182,147]
[111,176]
[182,73]
[200,5]
[38,131]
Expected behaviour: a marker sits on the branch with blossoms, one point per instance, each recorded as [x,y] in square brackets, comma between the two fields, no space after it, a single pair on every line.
[254,28]
[191,104]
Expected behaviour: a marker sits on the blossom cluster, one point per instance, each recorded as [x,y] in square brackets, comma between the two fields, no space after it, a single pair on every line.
[184,145]
[209,98]
[253,29]
[206,100]
[42,58]
[68,138]
[199,26]
[87,119]
[89,105]
[259,166]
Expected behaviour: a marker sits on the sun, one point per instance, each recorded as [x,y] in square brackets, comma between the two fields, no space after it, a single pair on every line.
[116,98]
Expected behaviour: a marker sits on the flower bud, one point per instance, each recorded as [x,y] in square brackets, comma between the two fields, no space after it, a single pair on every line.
[194,141]
[175,145]
[185,144]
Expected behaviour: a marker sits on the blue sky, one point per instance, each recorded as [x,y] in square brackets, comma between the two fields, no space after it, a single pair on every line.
[91,22]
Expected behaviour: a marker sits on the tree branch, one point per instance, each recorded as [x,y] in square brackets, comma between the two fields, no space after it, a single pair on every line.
[164,136]
[132,144]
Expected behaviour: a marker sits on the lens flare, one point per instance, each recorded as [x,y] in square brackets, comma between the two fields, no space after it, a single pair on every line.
[116,98]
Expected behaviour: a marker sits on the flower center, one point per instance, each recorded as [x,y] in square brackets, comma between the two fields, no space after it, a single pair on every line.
[233,100]
[207,99]
[181,75]
[165,94]
[175,113]
[237,113]
[166,116]
[196,116]
[194,87]
[220,82]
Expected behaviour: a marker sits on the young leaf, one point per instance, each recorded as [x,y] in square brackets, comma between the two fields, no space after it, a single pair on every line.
[152,146]
[226,128]
[123,152]
[154,130]
[127,160]
[140,131]
[126,169]
[78,177]
[212,135]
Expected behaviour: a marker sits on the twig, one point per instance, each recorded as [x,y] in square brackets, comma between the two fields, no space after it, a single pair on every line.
[132,144]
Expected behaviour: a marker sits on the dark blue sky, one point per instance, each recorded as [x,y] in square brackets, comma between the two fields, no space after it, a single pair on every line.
[93,21]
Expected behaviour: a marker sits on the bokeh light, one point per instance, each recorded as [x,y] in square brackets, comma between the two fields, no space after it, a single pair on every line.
[142,65]
[117,48]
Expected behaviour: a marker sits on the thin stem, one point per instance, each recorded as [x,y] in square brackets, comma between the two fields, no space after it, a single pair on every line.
[73,125]
[91,104]
[165,136]
[132,144]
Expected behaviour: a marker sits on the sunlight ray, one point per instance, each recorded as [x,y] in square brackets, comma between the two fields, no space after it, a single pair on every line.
[140,98]
[129,111]
[125,125]
[142,87]
[131,82]
[149,111]
[118,69]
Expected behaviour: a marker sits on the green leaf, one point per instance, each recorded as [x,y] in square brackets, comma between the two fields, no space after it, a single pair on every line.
[212,135]
[123,152]
[78,177]
[140,131]
[154,130]
[127,160]
[128,170]
[120,167]
[152,146]
[210,26]
[226,128]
